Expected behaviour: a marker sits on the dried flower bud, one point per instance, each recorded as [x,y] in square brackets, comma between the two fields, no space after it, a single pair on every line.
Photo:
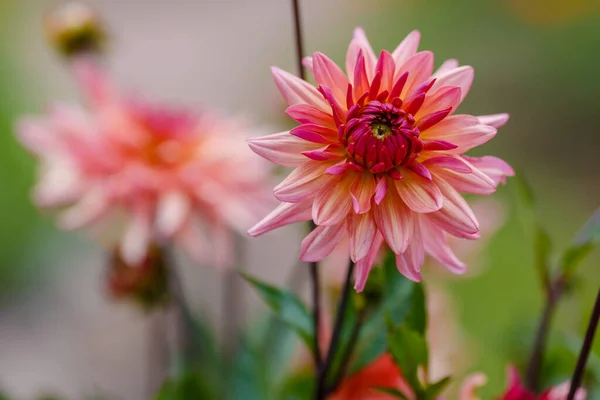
[75,28]
[146,284]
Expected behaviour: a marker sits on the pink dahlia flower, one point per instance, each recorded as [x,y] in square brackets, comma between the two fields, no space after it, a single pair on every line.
[378,155]
[175,175]
[516,390]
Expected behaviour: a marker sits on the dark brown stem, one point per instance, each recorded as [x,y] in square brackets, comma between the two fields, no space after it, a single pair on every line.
[335,337]
[553,294]
[299,41]
[585,349]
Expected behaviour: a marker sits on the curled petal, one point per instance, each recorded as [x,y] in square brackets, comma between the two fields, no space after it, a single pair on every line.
[436,245]
[171,213]
[361,79]
[364,265]
[468,389]
[495,168]
[308,114]
[284,214]
[329,152]
[495,120]
[362,191]
[381,190]
[394,221]
[315,133]
[362,231]
[322,241]
[409,263]
[360,44]
[328,74]
[407,48]
[446,97]
[456,217]
[333,201]
[461,77]
[297,91]
[419,68]
[303,182]
[282,148]
[420,194]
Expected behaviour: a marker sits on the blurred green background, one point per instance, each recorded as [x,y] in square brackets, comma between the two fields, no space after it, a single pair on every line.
[537,60]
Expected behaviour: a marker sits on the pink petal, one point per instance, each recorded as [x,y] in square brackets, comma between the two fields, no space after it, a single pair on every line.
[464,131]
[456,217]
[446,97]
[381,190]
[445,67]
[468,389]
[475,181]
[461,77]
[328,74]
[420,194]
[362,230]
[495,168]
[36,135]
[495,120]
[333,201]
[360,79]
[407,48]
[307,62]
[284,214]
[394,221]
[308,114]
[453,163]
[329,152]
[89,209]
[303,182]
[436,245]
[315,133]
[59,183]
[172,211]
[419,68]
[282,148]
[432,119]
[322,241]
[362,191]
[561,392]
[95,84]
[364,265]
[296,91]
[409,263]
[136,239]
[386,68]
[360,44]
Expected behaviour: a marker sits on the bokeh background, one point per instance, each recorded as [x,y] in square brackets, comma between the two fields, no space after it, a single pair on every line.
[535,59]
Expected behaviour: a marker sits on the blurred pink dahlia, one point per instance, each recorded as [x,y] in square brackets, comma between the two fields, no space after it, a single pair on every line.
[175,175]
[516,390]
[378,155]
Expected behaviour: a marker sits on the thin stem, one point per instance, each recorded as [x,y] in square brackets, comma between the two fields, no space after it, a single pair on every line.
[347,354]
[299,41]
[158,352]
[585,349]
[335,337]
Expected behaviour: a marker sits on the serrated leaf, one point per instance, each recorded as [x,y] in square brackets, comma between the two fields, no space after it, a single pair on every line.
[288,307]
[394,306]
[409,351]
[433,391]
[391,392]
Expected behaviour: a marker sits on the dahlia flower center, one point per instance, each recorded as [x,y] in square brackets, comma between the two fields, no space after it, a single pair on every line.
[381,136]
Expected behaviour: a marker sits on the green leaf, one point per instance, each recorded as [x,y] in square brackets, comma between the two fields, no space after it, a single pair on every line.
[391,392]
[190,385]
[417,315]
[409,351]
[590,232]
[288,307]
[248,380]
[573,256]
[395,305]
[435,389]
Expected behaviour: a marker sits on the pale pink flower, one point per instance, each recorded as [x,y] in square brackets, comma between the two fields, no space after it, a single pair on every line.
[516,390]
[378,156]
[176,175]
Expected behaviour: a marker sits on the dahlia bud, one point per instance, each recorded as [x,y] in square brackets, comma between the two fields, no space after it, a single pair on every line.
[146,284]
[75,28]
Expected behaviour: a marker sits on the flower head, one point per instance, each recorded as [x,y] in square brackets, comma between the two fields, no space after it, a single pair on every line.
[378,155]
[176,175]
